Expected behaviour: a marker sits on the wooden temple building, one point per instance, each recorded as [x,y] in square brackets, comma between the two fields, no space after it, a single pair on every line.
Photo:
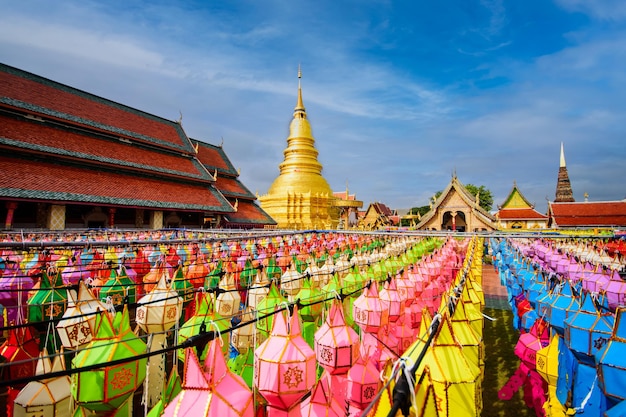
[300,197]
[70,159]
[457,210]
[517,213]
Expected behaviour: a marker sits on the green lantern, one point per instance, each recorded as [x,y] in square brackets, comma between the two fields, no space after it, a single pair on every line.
[272,270]
[107,387]
[310,298]
[205,314]
[214,276]
[50,300]
[266,306]
[183,286]
[118,287]
[246,278]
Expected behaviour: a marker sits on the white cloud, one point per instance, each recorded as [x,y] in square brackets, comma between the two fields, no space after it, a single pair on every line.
[614,10]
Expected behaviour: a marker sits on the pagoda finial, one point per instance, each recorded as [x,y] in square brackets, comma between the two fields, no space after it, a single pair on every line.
[299,104]
[562,161]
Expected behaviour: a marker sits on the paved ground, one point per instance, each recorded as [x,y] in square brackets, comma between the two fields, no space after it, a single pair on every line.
[495,293]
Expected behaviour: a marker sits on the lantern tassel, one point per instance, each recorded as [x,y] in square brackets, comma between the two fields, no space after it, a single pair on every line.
[155,372]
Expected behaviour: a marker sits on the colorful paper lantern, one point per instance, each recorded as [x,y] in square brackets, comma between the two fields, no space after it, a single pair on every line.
[20,352]
[363,382]
[243,337]
[323,400]
[204,317]
[611,361]
[49,301]
[47,397]
[285,366]
[211,390]
[547,361]
[266,307]
[119,288]
[77,326]
[311,301]
[589,330]
[228,300]
[336,343]
[113,340]
[391,301]
[368,311]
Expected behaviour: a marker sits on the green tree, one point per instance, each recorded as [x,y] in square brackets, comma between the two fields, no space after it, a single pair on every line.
[484,195]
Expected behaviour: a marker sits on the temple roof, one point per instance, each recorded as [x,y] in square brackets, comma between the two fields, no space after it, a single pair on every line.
[248,213]
[62,181]
[470,200]
[516,199]
[517,207]
[49,100]
[588,214]
[213,157]
[520,214]
[61,144]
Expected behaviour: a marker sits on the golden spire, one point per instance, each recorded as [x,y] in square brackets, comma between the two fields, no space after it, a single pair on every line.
[300,105]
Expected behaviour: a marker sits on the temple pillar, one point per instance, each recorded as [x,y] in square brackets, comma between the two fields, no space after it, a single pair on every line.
[11,206]
[156,220]
[454,213]
[111,218]
[139,218]
[56,217]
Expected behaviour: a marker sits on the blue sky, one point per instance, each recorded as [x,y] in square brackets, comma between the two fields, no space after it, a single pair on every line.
[400,94]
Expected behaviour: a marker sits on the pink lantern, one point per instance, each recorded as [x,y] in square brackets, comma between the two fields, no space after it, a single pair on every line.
[404,333]
[363,382]
[323,400]
[406,288]
[336,343]
[285,367]
[367,311]
[212,391]
[391,300]
[616,291]
[529,343]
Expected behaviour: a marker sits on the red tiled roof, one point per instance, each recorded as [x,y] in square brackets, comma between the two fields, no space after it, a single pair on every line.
[521,214]
[601,213]
[56,182]
[38,95]
[344,195]
[232,187]
[382,209]
[43,137]
[214,157]
[248,212]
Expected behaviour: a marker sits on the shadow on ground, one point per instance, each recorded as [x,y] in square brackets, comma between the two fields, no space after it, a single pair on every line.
[500,363]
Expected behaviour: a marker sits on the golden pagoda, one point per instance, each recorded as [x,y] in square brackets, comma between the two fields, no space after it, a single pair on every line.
[300,198]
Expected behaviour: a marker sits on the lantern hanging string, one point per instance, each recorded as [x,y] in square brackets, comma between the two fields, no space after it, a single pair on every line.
[193,341]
